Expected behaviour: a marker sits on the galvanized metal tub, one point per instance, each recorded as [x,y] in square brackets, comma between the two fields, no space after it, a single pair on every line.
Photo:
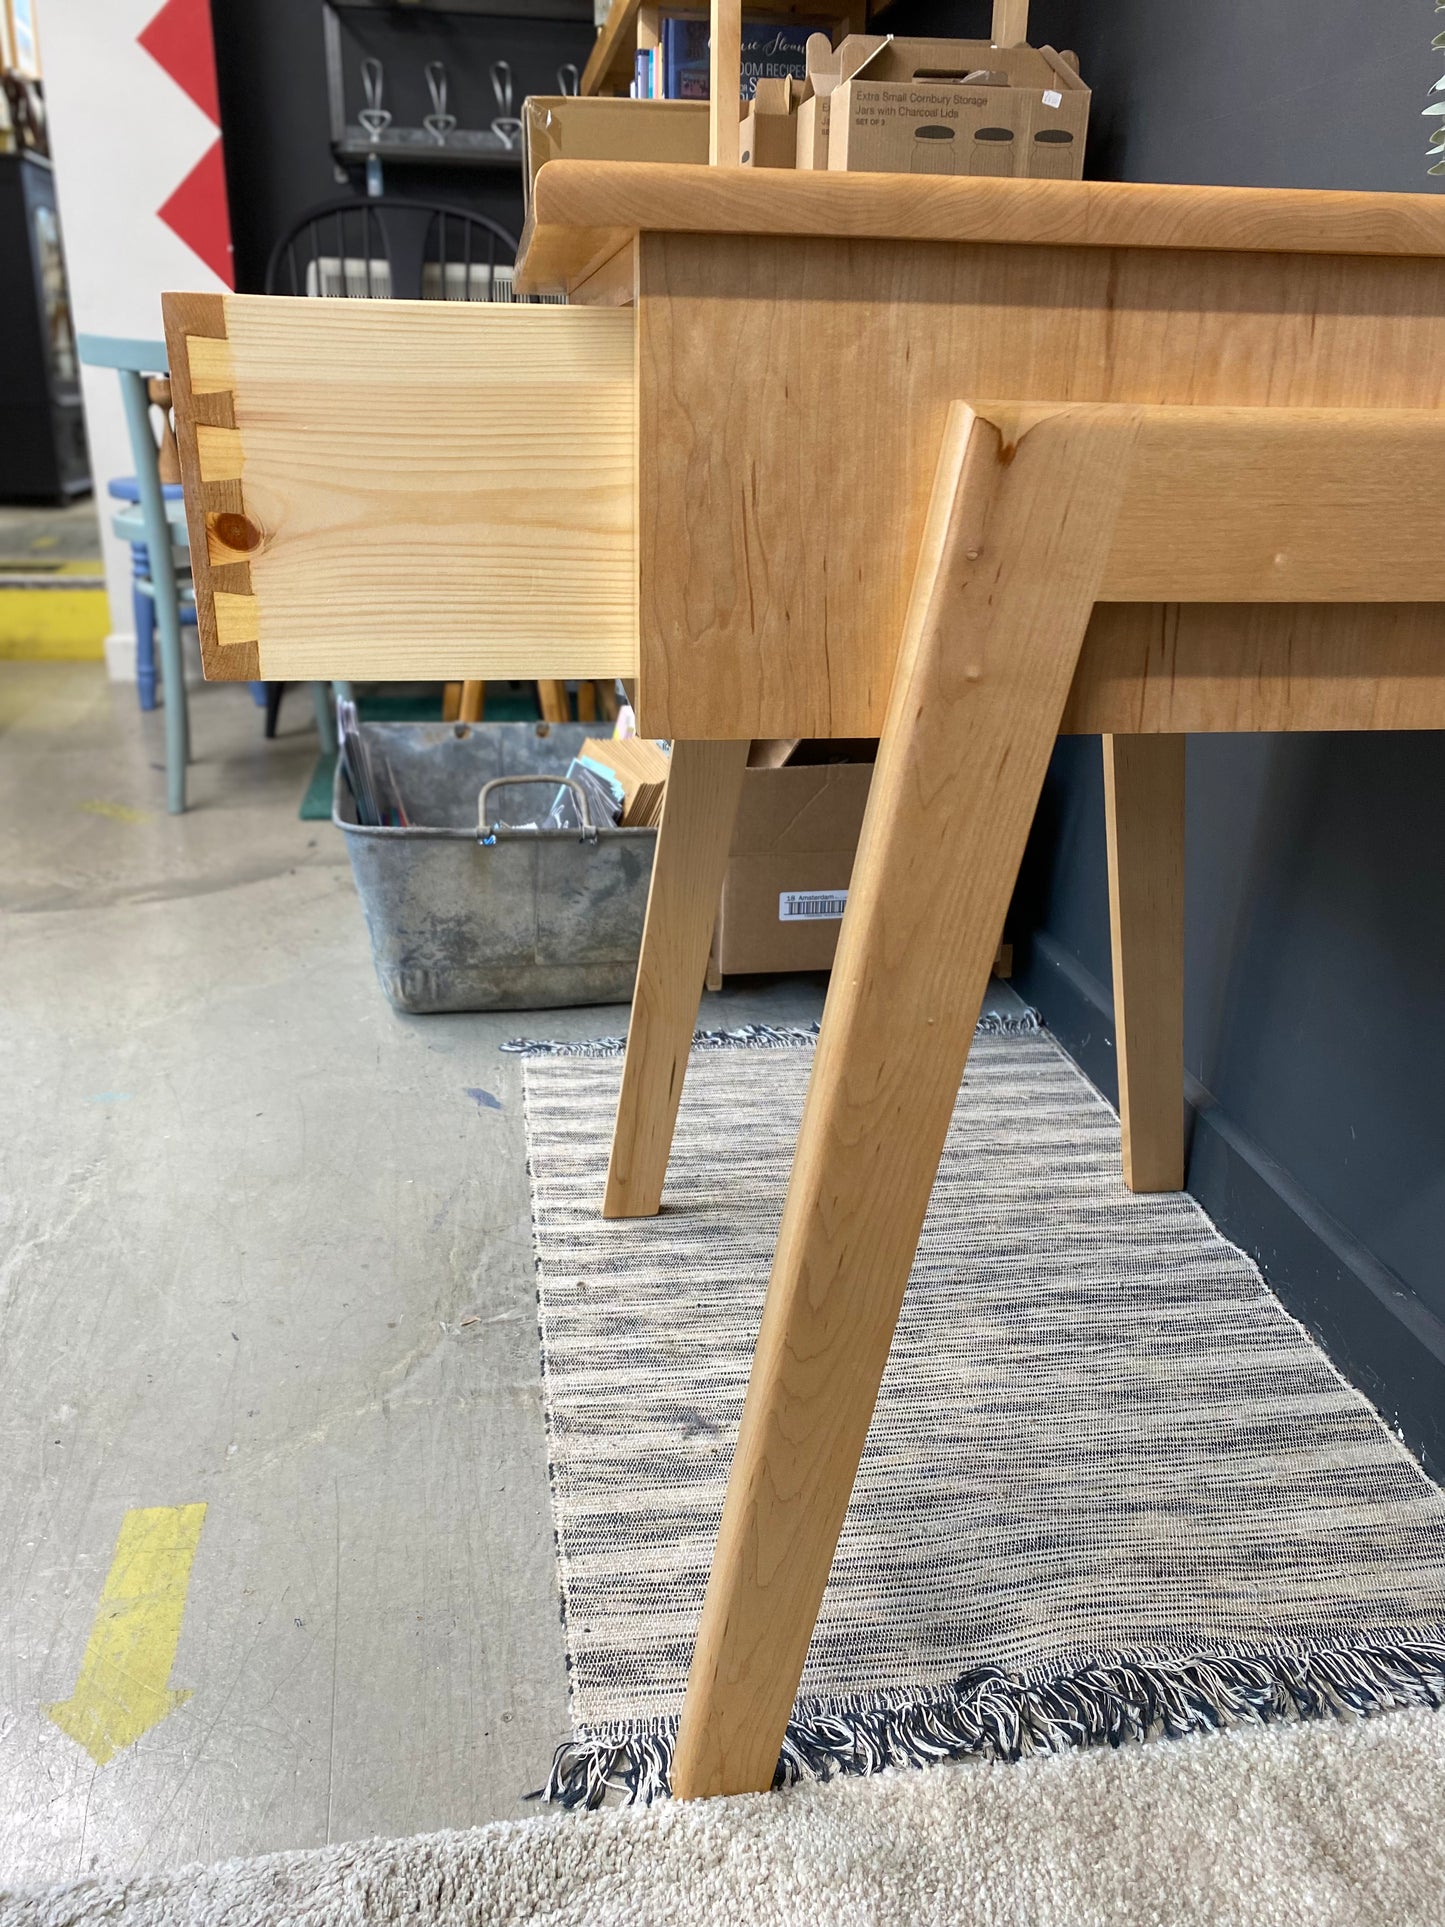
[525,920]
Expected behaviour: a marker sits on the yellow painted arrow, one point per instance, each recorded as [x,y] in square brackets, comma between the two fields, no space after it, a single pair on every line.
[122,1691]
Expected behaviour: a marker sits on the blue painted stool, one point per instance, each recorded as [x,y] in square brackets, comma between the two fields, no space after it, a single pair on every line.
[131,528]
[154,523]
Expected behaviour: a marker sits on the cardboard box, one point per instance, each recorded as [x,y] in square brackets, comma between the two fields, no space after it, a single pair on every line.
[587,128]
[952,107]
[815,103]
[792,861]
[814,118]
[769,135]
[787,878]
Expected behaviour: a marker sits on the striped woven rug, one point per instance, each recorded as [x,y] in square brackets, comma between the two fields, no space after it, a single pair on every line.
[1111,1488]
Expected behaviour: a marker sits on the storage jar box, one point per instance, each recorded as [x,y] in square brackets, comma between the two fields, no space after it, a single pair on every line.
[960,107]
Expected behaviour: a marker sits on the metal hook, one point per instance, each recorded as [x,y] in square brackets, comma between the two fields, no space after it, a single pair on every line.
[569,81]
[438,123]
[506,127]
[374,117]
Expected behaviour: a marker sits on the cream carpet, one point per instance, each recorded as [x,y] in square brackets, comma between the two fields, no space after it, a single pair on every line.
[1325,1823]
[1110,1488]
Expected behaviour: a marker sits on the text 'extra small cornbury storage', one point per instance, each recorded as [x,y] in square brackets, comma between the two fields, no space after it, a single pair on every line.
[957,107]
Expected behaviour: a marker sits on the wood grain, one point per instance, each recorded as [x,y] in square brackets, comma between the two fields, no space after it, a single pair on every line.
[1279,505]
[192,319]
[436,488]
[1271,504]
[580,198]
[1144,818]
[1010,560]
[773,631]
[209,359]
[219,452]
[1216,667]
[1010,22]
[562,260]
[238,619]
[724,66]
[699,809]
[612,283]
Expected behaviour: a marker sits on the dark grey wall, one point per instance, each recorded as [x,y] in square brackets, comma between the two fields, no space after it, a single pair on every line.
[1290,94]
[1315,1023]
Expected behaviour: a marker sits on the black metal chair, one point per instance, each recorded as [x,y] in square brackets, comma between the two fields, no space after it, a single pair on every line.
[389,248]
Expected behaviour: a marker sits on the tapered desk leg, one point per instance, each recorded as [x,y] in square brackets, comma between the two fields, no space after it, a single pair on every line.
[1144,810]
[1015,543]
[699,808]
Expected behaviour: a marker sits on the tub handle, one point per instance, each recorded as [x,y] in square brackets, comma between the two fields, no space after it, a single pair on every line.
[485,827]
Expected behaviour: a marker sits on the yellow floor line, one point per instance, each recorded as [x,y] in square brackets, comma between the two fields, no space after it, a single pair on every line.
[48,625]
[122,1691]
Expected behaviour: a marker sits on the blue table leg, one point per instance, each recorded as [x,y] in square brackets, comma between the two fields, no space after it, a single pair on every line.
[163,581]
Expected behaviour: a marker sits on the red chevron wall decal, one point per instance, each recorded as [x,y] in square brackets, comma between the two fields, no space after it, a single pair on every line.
[197,212]
[178,39]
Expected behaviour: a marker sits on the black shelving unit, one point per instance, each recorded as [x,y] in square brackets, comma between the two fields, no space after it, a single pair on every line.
[417,29]
[462,148]
[42,430]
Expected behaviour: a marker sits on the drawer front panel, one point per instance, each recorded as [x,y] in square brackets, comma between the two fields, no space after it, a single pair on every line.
[389,489]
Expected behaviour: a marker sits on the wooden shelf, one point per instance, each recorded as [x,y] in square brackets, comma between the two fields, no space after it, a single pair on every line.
[583,212]
[610,63]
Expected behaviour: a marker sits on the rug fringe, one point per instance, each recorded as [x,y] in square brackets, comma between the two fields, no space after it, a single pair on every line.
[1003,1716]
[1025,1023]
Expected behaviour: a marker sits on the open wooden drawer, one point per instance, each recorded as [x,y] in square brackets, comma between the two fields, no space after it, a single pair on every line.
[408,488]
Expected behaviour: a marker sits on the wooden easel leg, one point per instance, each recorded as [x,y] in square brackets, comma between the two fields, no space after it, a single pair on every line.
[698,812]
[1017,536]
[552,697]
[472,702]
[1144,810]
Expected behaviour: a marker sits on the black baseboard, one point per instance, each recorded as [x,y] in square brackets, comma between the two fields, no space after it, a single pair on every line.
[1374,1328]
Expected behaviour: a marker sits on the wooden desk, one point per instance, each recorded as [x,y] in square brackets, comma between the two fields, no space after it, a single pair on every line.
[960,464]
[803,342]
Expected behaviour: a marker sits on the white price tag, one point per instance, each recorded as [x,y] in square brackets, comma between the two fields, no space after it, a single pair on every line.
[1051,99]
[811,906]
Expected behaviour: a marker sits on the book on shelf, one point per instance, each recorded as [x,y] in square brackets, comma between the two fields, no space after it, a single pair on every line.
[771,50]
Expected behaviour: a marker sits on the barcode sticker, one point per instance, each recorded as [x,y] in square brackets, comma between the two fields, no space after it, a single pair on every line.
[1052,99]
[811,906]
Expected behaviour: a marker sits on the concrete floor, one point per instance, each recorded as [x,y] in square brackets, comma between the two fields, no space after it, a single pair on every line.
[49,538]
[261,1250]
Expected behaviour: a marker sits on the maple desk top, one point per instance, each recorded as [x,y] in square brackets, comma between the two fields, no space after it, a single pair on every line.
[584,211]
